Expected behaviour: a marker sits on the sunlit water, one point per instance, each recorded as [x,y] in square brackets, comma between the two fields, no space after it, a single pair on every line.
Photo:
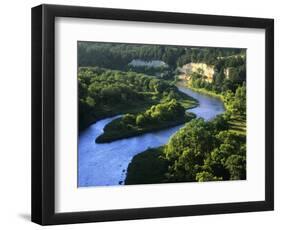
[106,164]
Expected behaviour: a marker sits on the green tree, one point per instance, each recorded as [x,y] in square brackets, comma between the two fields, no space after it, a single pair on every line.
[236,103]
[141,120]
[236,165]
[206,176]
[129,119]
[187,149]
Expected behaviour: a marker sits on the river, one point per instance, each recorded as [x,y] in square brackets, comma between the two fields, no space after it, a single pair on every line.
[106,164]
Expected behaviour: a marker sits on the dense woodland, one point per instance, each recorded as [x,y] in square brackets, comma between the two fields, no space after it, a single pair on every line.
[160,116]
[104,93]
[201,150]
[117,56]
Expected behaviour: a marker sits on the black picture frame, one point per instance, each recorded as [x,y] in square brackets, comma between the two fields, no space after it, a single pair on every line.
[43,110]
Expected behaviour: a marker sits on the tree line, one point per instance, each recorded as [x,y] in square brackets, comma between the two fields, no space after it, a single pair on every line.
[104,93]
[200,151]
[117,56]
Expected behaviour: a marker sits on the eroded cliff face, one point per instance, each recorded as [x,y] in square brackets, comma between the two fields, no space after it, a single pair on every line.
[202,68]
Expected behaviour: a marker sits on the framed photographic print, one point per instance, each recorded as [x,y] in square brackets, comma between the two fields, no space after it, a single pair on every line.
[141,114]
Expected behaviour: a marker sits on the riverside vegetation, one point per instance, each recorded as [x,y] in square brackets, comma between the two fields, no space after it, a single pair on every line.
[104,93]
[160,116]
[149,99]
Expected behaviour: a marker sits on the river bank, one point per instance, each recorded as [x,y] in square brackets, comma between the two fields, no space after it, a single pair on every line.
[112,133]
[200,90]
[106,164]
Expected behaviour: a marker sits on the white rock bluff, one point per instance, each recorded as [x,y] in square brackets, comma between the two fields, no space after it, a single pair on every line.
[202,68]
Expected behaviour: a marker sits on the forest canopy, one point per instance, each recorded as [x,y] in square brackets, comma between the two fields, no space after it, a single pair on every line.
[200,151]
[117,55]
[104,93]
[160,116]
[146,98]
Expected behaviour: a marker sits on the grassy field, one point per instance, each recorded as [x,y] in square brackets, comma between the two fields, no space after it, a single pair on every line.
[238,125]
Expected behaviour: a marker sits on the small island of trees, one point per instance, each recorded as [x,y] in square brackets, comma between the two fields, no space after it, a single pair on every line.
[157,117]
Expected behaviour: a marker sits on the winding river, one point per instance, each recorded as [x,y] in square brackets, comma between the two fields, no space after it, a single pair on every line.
[106,164]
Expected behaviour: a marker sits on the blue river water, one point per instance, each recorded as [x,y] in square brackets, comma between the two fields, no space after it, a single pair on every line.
[106,164]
